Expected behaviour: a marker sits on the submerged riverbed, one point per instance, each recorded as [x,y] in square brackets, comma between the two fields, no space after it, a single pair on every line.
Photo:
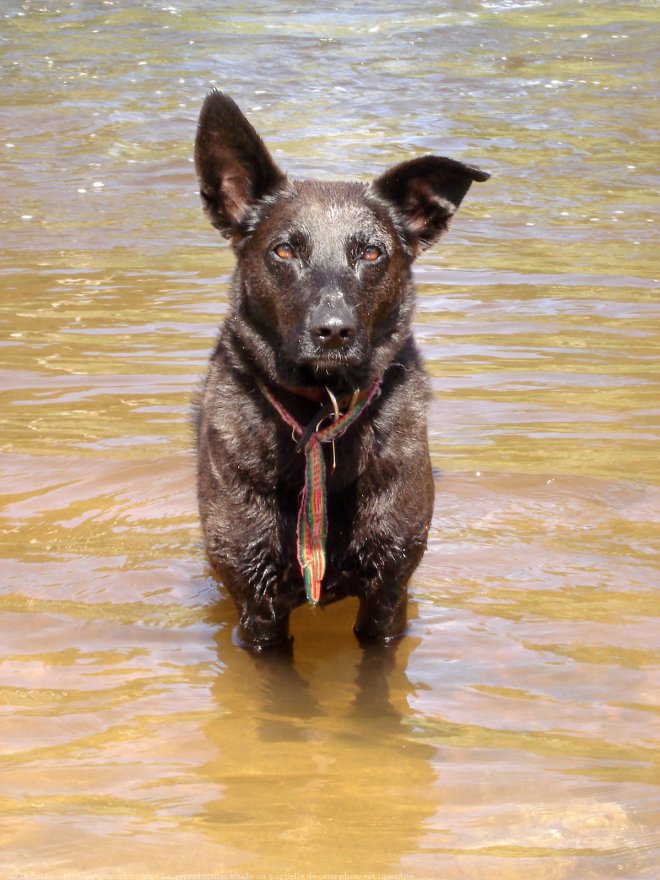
[514,734]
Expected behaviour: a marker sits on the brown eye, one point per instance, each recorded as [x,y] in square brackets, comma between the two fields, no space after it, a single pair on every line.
[371,253]
[284,251]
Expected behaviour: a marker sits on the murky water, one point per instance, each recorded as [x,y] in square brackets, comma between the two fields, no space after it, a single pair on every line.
[514,734]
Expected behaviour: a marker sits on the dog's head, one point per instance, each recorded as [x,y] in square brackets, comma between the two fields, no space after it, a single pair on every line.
[324,291]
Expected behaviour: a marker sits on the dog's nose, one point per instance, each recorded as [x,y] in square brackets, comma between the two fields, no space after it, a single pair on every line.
[333,326]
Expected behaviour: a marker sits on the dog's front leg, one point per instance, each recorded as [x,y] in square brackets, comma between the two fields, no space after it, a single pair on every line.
[257,587]
[388,556]
[262,625]
[245,546]
[258,583]
[382,615]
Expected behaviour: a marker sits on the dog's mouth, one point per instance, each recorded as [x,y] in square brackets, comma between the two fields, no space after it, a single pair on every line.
[348,354]
[339,372]
[314,361]
[331,361]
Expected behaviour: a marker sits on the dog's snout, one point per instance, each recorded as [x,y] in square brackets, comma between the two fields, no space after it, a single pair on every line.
[333,326]
[334,332]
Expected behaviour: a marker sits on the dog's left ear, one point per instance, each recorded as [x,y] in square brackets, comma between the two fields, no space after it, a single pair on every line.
[234,167]
[426,193]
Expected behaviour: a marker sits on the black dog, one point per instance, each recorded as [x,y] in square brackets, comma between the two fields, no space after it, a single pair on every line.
[314,477]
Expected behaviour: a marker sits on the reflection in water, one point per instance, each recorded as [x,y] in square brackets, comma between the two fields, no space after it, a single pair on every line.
[317,772]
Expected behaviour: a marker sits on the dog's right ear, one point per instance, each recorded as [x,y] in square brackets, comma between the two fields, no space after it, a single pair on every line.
[426,193]
[234,167]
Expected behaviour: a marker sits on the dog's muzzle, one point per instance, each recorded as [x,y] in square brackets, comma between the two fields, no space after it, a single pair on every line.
[331,336]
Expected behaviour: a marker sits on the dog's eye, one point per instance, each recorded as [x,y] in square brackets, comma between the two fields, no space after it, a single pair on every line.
[284,251]
[371,253]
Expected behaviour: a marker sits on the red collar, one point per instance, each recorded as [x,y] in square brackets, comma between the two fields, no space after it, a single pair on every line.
[321,395]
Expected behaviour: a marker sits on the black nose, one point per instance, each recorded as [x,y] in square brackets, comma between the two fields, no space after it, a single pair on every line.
[333,326]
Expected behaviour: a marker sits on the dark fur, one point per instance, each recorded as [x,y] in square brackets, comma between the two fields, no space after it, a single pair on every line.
[326,310]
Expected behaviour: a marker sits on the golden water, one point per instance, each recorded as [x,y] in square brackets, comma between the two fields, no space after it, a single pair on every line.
[514,733]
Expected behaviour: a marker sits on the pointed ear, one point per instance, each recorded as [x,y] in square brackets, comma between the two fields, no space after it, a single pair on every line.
[234,167]
[426,194]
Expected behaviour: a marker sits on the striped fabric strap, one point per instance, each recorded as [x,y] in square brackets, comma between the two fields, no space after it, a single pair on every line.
[312,513]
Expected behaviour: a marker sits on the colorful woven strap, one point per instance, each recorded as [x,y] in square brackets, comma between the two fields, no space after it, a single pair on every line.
[312,513]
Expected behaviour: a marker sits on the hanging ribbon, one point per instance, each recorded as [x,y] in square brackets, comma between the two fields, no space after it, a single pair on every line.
[312,513]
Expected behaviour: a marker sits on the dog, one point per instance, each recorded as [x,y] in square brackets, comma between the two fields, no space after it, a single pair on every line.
[313,469]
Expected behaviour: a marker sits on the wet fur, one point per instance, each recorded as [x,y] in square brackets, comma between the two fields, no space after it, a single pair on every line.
[380,497]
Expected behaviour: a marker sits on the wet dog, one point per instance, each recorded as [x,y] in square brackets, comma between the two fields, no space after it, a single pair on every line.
[314,477]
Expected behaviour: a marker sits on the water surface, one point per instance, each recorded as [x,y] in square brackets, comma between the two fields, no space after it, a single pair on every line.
[514,733]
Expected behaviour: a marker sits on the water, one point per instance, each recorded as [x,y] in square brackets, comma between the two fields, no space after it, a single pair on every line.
[514,734]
